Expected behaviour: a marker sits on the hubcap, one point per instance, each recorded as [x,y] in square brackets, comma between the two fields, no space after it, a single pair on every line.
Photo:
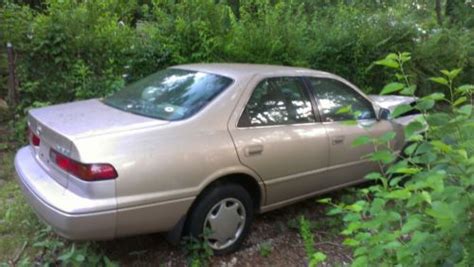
[224,223]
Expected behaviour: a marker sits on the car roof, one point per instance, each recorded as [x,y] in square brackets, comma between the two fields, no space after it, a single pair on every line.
[240,70]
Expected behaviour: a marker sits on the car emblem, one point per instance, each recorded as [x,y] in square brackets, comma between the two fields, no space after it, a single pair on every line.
[39,129]
[63,150]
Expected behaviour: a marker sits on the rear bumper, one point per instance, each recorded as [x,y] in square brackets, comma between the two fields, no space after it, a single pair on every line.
[47,197]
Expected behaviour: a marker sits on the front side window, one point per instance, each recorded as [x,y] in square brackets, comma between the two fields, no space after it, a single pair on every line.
[277,101]
[171,94]
[333,95]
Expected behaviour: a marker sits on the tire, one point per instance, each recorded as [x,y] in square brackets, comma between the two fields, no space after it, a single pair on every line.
[222,207]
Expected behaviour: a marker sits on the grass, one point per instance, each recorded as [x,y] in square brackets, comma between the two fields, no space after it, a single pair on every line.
[17,221]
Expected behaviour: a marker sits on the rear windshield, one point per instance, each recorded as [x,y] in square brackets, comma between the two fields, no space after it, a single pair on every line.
[170,94]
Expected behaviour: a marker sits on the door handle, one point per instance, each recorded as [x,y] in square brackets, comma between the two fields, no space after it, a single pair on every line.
[253,150]
[336,140]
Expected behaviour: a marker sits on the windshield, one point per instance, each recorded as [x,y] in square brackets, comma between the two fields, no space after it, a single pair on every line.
[170,94]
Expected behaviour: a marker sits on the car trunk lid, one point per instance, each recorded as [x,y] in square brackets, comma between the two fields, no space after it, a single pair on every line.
[58,126]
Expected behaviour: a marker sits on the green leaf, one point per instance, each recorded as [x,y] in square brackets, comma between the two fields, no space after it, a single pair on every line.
[465,89]
[373,176]
[442,147]
[405,56]
[317,258]
[439,80]
[399,194]
[412,223]
[351,242]
[438,119]
[409,150]
[324,200]
[361,140]
[388,62]
[459,101]
[410,90]
[406,170]
[401,109]
[426,196]
[413,128]
[451,74]
[392,87]
[465,110]
[361,261]
[384,156]
[387,137]
[392,245]
[425,104]
[435,96]
[392,56]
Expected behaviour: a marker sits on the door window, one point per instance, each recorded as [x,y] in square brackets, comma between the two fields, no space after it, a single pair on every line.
[278,101]
[332,95]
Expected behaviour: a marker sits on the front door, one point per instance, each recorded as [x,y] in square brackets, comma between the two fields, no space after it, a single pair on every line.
[279,136]
[347,164]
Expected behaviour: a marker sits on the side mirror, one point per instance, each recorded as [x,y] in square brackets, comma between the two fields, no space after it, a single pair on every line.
[384,114]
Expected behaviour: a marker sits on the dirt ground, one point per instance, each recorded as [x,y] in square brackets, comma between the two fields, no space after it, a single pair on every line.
[275,231]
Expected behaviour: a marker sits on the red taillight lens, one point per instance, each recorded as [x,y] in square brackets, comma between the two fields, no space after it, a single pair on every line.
[34,139]
[86,172]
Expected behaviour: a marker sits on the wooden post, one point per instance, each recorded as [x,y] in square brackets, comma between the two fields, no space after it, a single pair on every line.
[12,80]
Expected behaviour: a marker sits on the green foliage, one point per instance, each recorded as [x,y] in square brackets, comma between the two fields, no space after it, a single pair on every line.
[314,257]
[421,211]
[21,229]
[266,249]
[197,250]
[72,49]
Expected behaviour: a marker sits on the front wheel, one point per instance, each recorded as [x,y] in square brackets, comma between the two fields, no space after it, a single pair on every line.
[222,217]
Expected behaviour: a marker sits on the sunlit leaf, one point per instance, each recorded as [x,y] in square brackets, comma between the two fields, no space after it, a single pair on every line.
[451,74]
[425,104]
[439,80]
[387,62]
[465,89]
[435,96]
[401,109]
[392,87]
[459,101]
[361,140]
[384,156]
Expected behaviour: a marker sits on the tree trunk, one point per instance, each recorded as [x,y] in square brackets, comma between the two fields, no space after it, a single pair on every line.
[12,80]
[438,12]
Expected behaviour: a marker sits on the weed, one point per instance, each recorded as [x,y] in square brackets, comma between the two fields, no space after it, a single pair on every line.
[266,249]
[197,251]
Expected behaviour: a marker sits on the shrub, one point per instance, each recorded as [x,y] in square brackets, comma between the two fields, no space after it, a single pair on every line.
[421,212]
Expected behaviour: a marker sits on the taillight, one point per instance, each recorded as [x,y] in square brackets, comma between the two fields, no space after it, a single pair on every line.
[33,138]
[86,172]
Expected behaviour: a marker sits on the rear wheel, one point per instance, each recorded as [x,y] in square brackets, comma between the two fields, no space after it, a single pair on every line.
[222,217]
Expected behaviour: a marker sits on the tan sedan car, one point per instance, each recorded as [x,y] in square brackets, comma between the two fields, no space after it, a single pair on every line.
[196,147]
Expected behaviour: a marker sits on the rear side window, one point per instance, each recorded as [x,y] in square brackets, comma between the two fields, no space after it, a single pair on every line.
[278,101]
[332,95]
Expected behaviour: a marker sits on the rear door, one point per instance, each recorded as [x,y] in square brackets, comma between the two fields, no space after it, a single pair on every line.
[346,162]
[278,134]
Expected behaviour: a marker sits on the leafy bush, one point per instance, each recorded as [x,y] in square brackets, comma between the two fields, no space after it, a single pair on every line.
[421,212]
[70,49]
